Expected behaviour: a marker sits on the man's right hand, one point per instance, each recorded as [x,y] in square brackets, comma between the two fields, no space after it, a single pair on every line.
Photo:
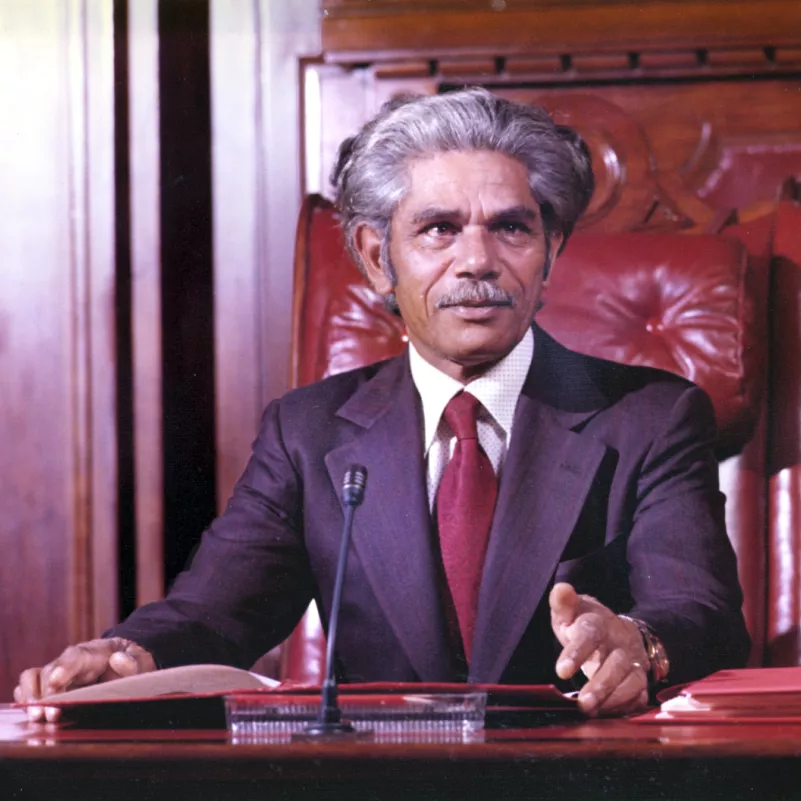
[79,665]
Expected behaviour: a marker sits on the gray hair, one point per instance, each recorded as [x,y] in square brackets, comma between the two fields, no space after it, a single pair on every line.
[370,173]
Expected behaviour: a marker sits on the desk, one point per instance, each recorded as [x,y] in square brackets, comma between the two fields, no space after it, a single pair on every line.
[610,759]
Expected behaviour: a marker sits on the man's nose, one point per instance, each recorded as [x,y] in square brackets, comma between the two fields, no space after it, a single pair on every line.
[476,258]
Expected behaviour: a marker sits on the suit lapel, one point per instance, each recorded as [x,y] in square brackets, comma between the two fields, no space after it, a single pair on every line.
[546,477]
[392,530]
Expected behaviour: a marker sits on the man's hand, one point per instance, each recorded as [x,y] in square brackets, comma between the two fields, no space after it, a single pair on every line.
[607,648]
[85,663]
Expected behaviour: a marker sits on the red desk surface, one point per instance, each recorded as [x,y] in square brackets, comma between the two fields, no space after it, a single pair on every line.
[609,759]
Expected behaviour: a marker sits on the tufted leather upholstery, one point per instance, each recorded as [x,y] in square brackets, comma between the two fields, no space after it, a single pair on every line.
[686,305]
[692,304]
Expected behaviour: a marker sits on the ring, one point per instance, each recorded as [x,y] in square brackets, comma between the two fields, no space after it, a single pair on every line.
[638,665]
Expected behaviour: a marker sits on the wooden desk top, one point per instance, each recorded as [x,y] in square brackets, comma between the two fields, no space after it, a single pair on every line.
[614,759]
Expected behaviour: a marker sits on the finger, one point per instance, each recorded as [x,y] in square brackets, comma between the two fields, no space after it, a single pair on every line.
[77,666]
[27,691]
[631,695]
[584,640]
[633,701]
[28,688]
[124,663]
[144,659]
[618,683]
[52,714]
[129,659]
[564,602]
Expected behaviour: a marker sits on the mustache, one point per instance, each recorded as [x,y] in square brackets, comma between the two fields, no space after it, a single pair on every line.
[476,292]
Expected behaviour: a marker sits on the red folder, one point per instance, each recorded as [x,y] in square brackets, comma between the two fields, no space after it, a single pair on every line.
[192,698]
[752,694]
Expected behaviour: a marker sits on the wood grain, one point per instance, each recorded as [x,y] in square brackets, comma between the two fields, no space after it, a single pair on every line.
[385,29]
[57,412]
[145,199]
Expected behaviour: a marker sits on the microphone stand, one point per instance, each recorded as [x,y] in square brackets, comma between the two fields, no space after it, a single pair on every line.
[329,722]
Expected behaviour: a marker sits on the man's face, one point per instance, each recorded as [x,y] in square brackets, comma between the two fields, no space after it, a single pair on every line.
[468,250]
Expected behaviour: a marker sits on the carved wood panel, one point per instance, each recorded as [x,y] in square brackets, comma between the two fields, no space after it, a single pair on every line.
[668,155]
[688,136]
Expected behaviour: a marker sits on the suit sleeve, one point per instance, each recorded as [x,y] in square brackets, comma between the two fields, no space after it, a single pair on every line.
[249,581]
[682,568]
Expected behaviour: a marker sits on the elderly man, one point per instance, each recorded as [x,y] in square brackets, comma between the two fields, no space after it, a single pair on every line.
[531,514]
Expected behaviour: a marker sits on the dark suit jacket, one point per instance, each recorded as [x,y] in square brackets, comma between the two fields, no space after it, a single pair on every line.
[609,483]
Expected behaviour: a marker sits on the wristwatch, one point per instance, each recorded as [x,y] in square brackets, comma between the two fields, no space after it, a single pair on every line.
[659,663]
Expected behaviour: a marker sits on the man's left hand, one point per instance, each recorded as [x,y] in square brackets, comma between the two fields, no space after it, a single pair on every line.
[608,649]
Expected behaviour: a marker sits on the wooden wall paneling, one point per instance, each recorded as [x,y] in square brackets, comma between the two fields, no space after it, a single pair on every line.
[92,67]
[336,103]
[289,32]
[383,29]
[57,415]
[143,93]
[238,216]
[256,48]
[338,100]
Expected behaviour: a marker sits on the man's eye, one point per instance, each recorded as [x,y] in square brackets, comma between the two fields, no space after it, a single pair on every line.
[512,227]
[440,229]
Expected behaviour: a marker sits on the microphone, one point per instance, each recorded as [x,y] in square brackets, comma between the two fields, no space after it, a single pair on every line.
[353,485]
[329,720]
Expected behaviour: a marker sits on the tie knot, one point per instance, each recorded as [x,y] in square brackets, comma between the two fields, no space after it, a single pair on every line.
[461,414]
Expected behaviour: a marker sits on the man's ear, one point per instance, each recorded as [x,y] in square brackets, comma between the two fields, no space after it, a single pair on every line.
[367,242]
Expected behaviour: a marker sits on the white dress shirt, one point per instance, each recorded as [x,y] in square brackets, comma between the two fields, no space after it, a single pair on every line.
[498,390]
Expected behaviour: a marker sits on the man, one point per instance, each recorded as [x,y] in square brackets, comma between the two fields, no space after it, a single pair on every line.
[521,498]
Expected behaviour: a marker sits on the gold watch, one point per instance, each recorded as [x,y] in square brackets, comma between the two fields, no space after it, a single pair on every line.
[657,655]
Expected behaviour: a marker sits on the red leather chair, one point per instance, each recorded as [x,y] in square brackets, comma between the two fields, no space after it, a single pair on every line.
[696,305]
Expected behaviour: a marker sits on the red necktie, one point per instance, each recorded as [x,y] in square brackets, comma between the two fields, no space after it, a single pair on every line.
[465,505]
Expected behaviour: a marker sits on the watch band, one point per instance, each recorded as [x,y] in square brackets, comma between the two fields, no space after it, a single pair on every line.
[655,650]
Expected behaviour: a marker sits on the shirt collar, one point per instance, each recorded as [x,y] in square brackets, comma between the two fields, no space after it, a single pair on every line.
[498,389]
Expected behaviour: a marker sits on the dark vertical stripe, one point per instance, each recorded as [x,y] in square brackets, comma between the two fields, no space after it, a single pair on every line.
[124,350]
[187,279]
